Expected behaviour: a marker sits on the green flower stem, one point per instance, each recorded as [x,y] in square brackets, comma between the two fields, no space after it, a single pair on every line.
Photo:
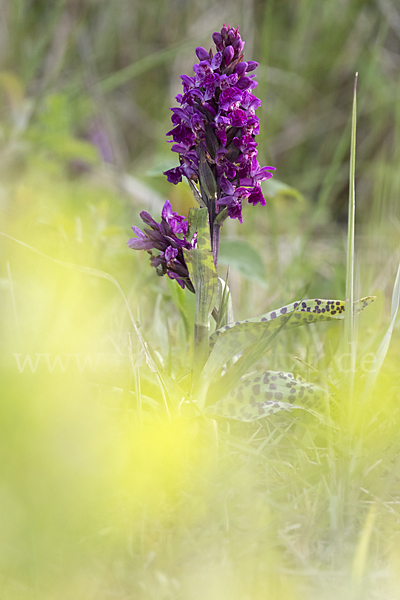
[205,280]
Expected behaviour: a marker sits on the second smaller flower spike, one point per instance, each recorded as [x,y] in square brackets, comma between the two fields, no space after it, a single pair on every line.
[164,238]
[216,119]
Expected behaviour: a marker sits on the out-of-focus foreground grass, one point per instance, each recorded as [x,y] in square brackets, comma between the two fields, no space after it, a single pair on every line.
[101,494]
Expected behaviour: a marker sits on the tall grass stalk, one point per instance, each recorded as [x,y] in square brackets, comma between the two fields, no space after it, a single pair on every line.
[349,321]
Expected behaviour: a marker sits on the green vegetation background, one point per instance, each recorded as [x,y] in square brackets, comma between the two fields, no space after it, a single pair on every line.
[97,498]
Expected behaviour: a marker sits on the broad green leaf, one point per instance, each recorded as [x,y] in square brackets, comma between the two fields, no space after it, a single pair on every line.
[239,255]
[262,394]
[275,189]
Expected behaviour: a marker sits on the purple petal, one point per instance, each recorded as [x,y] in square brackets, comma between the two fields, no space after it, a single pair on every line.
[138,232]
[217,39]
[228,54]
[167,210]
[251,65]
[216,61]
[245,83]
[235,212]
[141,244]
[202,53]
[241,68]
[172,275]
[238,118]
[257,196]
[148,219]
[170,254]
[226,186]
[174,175]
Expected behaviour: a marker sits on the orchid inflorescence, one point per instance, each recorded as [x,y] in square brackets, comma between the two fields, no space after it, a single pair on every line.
[214,130]
[163,236]
[217,121]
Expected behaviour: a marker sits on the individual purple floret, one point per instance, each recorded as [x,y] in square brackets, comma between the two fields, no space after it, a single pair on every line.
[164,237]
[216,119]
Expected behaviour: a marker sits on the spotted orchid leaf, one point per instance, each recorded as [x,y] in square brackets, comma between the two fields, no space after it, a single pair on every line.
[262,394]
[305,312]
[254,334]
[236,337]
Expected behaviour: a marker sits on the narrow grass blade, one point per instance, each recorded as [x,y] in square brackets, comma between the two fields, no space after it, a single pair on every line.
[224,312]
[384,345]
[361,554]
[349,327]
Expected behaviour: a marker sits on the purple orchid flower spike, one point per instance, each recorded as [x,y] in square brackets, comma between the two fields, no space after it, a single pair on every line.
[214,129]
[164,238]
[216,119]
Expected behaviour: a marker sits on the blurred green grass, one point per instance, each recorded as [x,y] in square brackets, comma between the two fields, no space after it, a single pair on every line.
[100,496]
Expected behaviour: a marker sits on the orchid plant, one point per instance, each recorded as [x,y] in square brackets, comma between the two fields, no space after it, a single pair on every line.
[214,133]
